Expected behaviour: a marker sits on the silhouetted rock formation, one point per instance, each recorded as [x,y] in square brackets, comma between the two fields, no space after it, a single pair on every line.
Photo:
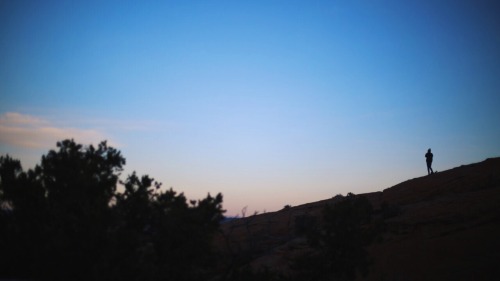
[445,226]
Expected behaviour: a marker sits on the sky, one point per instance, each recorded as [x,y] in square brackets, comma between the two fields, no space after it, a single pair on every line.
[270,103]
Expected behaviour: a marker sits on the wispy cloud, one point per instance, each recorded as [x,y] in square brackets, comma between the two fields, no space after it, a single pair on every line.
[28,131]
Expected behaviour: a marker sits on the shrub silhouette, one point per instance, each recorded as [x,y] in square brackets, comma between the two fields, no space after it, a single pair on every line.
[340,243]
[65,220]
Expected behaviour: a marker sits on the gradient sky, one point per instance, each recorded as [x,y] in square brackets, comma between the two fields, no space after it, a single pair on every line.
[268,102]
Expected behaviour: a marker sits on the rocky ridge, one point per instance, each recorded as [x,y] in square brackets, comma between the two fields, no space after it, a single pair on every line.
[444,226]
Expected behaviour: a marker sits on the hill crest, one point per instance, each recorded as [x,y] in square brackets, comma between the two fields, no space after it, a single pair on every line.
[444,226]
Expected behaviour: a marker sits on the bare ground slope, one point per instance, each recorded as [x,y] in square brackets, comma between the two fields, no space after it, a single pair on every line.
[445,226]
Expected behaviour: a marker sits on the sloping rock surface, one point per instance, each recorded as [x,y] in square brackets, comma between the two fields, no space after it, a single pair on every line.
[445,226]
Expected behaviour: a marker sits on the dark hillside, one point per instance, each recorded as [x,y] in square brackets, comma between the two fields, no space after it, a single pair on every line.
[448,227]
[445,226]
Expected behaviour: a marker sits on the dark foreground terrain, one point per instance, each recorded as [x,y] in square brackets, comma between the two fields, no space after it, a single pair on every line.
[445,226]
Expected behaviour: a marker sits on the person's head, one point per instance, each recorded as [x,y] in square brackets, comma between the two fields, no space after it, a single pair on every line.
[429,150]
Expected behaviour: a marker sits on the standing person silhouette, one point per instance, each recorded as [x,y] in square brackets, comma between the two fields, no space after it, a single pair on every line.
[428,159]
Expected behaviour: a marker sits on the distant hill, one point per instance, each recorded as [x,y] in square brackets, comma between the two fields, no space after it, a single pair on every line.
[444,226]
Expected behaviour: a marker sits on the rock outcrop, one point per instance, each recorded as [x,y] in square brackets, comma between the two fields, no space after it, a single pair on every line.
[445,226]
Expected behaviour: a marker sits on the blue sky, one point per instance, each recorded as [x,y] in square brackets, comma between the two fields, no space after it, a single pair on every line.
[268,102]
